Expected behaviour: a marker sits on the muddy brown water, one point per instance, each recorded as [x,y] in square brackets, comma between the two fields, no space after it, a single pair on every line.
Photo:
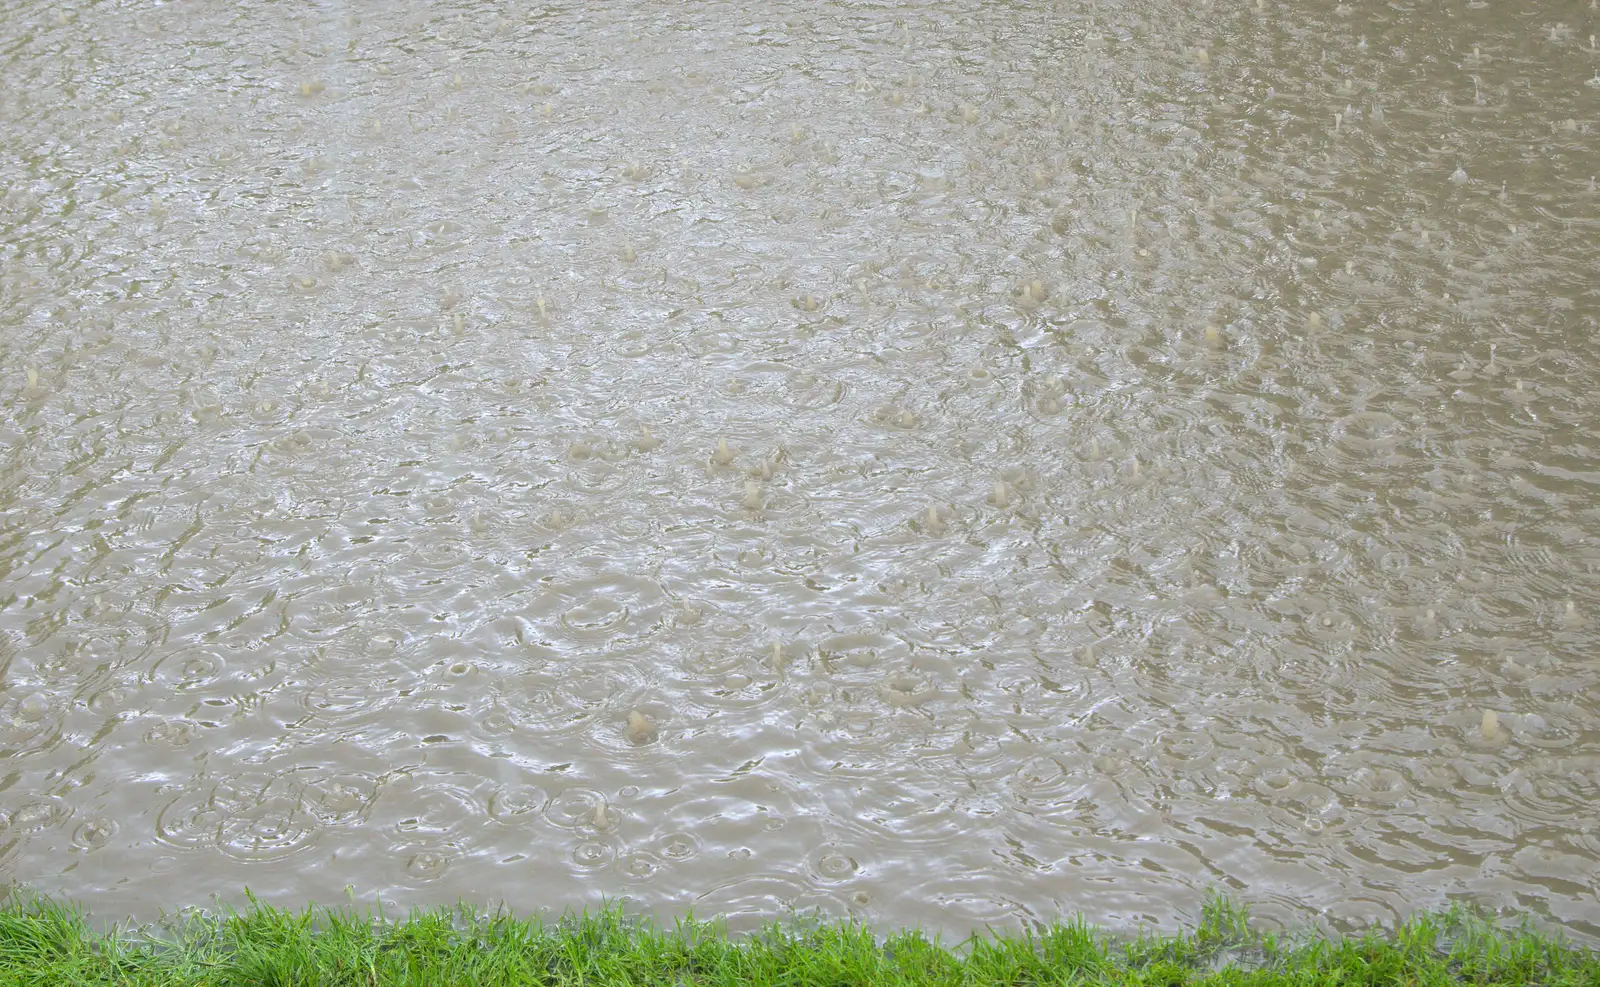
[941,464]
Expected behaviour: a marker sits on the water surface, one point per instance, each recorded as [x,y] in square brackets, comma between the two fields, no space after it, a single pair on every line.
[1014,458]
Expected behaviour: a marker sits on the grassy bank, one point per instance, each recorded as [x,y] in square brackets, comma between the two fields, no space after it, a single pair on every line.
[46,943]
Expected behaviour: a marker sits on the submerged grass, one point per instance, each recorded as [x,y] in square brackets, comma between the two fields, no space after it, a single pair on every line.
[47,943]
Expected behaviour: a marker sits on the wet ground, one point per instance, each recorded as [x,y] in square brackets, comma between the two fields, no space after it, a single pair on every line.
[942,464]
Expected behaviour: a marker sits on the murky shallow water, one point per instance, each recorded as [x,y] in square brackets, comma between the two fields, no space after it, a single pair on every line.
[1015,458]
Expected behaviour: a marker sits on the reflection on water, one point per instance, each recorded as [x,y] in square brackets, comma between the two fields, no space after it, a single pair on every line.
[944,465]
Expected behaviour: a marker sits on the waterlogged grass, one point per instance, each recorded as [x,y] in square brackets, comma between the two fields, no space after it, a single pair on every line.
[45,943]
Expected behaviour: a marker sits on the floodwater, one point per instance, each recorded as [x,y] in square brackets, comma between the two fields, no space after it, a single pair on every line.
[944,464]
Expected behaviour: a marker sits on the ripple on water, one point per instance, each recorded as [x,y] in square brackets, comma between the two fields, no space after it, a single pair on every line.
[271,828]
[1278,779]
[30,723]
[832,863]
[345,692]
[176,731]
[745,682]
[639,866]
[747,902]
[580,809]
[573,695]
[31,816]
[427,808]
[1368,435]
[609,608]
[1330,627]
[976,898]
[496,720]
[94,832]
[1046,783]
[517,805]
[440,552]
[1326,816]
[591,855]
[1541,571]
[896,418]
[677,846]
[806,391]
[908,688]
[192,820]
[270,409]
[186,669]
[424,864]
[1367,780]
[341,796]
[599,617]
[594,476]
[383,642]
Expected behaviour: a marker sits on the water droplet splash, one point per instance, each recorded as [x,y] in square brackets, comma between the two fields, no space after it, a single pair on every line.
[640,729]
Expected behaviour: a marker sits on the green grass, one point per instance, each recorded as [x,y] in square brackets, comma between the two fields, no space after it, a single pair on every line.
[43,942]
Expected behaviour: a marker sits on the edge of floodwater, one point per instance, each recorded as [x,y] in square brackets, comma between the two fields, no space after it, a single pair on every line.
[44,941]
